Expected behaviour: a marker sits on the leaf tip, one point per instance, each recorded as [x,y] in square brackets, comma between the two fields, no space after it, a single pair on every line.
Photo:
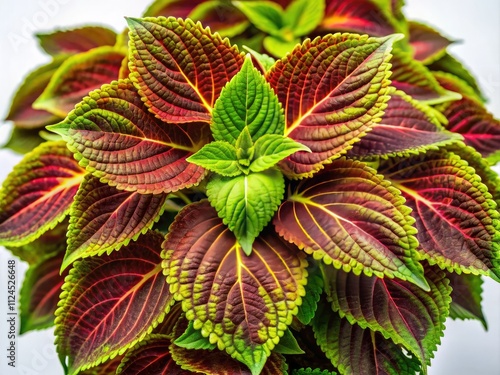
[133,23]
[420,281]
[60,128]
[246,244]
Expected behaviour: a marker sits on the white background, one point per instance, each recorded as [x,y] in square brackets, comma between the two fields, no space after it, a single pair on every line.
[466,348]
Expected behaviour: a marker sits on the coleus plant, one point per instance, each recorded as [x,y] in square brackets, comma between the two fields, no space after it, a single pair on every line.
[207,210]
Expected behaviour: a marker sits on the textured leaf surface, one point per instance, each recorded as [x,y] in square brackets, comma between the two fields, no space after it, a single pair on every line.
[40,292]
[354,350]
[106,368]
[247,102]
[358,16]
[242,303]
[218,362]
[180,68]
[407,127]
[482,167]
[115,137]
[428,44]
[21,110]
[416,80]
[478,127]
[103,218]
[350,217]
[345,95]
[151,357]
[38,193]
[78,75]
[401,311]
[76,40]
[466,297]
[457,220]
[246,203]
[111,302]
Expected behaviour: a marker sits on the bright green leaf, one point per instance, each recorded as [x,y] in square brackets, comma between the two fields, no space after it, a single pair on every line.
[279,46]
[193,339]
[302,16]
[247,101]
[264,61]
[314,288]
[246,203]
[244,148]
[271,148]
[288,344]
[264,15]
[219,157]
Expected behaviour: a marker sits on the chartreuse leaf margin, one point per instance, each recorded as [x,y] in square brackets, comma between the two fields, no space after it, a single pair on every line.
[209,211]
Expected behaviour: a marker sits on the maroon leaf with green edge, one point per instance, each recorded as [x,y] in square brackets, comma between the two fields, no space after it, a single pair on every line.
[115,137]
[106,368]
[358,16]
[454,83]
[76,40]
[111,302]
[416,80]
[428,44]
[479,128]
[483,169]
[345,95]
[466,297]
[408,127]
[103,219]
[171,8]
[451,65]
[354,350]
[456,218]
[179,68]
[218,362]
[37,194]
[50,242]
[242,303]
[350,217]
[220,16]
[151,357]
[166,327]
[78,75]
[21,110]
[40,292]
[401,311]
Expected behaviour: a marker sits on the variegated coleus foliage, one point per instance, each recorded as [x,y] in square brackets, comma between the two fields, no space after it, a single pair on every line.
[211,211]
